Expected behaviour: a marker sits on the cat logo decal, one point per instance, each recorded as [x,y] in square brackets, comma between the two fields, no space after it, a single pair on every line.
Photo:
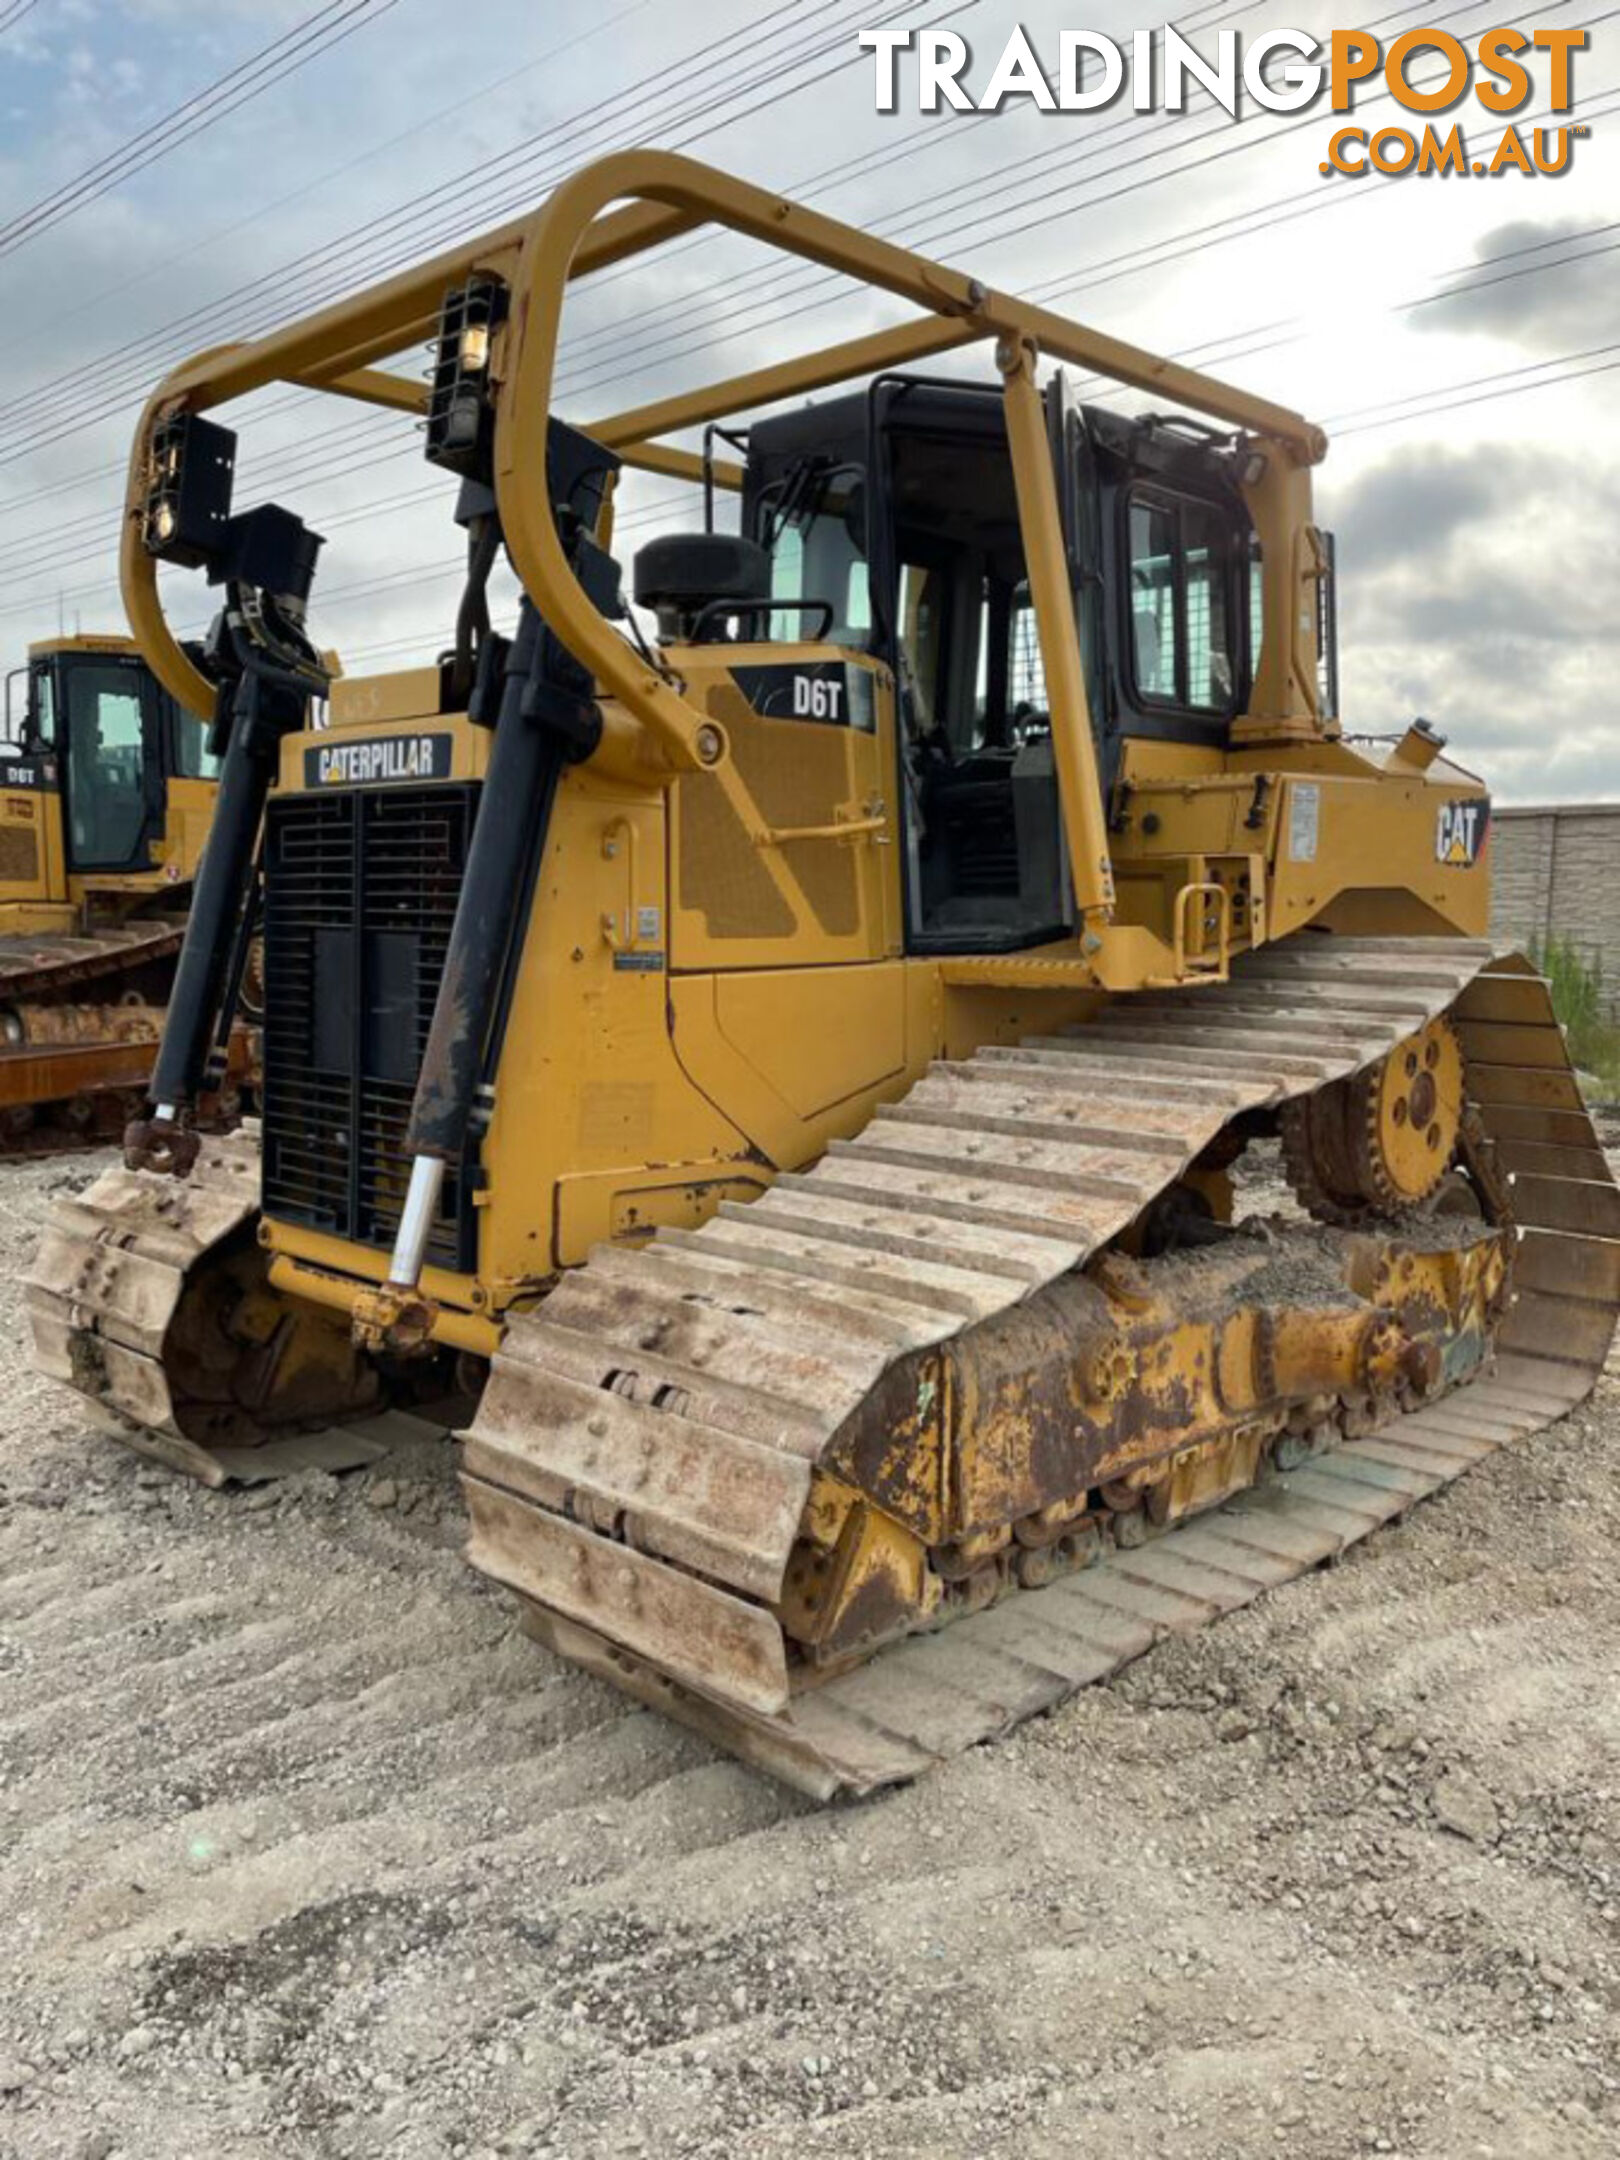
[1459,838]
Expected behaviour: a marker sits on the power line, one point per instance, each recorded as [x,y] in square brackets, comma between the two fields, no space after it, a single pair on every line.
[324,472]
[1485,389]
[965,233]
[434,119]
[307,40]
[300,451]
[1448,397]
[885,157]
[1041,180]
[794,276]
[14,14]
[329,268]
[299,454]
[1232,345]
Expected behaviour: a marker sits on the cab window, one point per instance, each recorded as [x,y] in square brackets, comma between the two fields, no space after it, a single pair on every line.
[44,714]
[1154,651]
[820,561]
[1026,671]
[105,764]
[1182,642]
[192,760]
[924,599]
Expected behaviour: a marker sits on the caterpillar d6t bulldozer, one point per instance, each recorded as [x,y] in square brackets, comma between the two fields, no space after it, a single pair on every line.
[106,788]
[790,1071]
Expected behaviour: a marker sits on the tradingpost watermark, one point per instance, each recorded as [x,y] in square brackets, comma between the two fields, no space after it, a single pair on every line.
[1468,98]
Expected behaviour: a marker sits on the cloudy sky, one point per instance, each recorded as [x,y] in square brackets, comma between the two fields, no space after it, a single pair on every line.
[173,175]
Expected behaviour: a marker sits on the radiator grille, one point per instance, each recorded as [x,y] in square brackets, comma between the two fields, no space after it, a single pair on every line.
[360,893]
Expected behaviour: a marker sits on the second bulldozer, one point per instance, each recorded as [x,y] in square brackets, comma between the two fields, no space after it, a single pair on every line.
[789,1061]
[106,791]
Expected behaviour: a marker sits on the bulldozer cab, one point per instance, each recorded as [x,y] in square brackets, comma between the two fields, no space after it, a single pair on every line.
[114,739]
[891,522]
[114,765]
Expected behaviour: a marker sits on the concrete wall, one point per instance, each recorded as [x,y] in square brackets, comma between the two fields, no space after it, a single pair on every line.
[1556,873]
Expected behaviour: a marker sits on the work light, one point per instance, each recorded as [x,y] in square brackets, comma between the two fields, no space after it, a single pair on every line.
[188,493]
[461,410]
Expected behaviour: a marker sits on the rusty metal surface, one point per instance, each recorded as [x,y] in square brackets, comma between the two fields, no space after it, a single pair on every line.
[109,1276]
[639,1463]
[54,960]
[65,1097]
[59,1071]
[984,1675]
[79,1054]
[995,1176]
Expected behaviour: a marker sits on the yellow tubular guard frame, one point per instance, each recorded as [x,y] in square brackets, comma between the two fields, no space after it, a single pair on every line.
[575,232]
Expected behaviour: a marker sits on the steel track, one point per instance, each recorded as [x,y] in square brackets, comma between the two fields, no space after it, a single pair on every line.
[639,1463]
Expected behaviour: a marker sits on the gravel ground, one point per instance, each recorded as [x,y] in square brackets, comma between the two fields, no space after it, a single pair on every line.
[304,1850]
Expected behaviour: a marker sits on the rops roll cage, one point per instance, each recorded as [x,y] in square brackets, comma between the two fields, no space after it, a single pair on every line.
[577,231]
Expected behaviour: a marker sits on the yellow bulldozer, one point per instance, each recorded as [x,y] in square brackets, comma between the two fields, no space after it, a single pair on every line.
[784,1049]
[106,790]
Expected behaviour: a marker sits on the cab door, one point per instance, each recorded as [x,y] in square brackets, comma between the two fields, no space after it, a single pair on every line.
[109,746]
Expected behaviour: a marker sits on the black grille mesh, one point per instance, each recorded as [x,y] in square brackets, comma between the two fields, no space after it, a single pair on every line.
[360,893]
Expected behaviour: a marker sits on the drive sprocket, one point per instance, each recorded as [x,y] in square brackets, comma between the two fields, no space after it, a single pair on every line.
[1379,1143]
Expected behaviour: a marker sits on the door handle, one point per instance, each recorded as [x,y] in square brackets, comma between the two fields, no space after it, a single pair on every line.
[863,828]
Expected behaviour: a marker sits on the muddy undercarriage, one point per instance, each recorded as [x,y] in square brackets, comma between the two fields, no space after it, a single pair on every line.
[1008,1340]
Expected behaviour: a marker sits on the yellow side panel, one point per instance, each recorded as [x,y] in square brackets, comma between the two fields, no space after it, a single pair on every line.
[189,812]
[819,1036]
[36,918]
[25,849]
[592,1105]
[1374,843]
[797,1057]
[625,1205]
[407,694]
[1347,842]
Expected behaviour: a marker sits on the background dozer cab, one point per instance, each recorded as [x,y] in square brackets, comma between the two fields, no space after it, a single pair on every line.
[106,790]
[793,1075]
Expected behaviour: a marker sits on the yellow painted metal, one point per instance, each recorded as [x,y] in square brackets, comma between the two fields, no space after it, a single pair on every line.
[1073,741]
[1365,861]
[754,881]
[333,1257]
[336,1293]
[83,641]
[1388,1136]
[1419,1102]
[629,1097]
[1143,1392]
[573,233]
[681,464]
[861,357]
[714,984]
[1284,704]
[364,700]
[38,892]
[469,745]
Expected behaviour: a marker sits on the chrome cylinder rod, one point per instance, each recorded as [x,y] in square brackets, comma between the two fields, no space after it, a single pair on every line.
[416,1222]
